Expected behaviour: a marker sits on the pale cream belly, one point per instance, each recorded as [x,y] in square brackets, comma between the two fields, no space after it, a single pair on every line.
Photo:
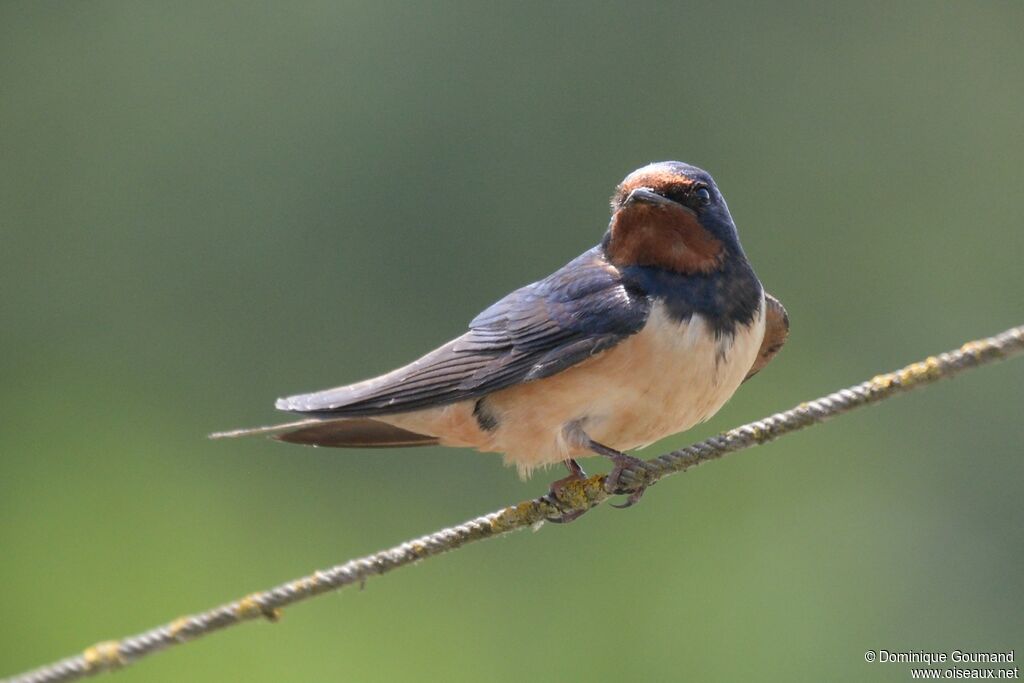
[661,381]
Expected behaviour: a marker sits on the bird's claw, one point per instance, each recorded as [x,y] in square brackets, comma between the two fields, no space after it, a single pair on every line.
[632,500]
[565,517]
[628,476]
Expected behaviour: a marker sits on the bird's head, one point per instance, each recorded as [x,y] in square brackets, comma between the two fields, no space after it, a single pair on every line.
[671,215]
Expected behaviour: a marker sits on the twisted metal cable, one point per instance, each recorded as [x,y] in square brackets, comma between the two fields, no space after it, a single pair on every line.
[577,496]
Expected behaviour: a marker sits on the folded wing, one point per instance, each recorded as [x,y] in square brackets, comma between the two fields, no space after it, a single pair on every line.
[536,331]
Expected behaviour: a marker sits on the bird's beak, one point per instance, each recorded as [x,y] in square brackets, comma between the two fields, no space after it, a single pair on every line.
[645,195]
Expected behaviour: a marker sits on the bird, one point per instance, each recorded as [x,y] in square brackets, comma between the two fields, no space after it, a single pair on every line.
[640,337]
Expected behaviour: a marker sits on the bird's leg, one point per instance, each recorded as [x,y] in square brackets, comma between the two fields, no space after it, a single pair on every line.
[628,475]
[576,473]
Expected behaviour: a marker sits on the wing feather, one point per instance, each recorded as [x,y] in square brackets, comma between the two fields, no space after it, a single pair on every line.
[541,329]
[776,331]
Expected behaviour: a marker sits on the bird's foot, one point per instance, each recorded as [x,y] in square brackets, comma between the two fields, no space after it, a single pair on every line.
[622,479]
[629,475]
[562,490]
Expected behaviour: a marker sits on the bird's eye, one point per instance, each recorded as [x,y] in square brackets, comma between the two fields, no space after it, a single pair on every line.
[703,196]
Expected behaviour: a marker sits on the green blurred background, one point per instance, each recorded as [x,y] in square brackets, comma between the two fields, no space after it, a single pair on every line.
[205,206]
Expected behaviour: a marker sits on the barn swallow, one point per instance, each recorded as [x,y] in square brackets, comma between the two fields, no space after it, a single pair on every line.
[641,337]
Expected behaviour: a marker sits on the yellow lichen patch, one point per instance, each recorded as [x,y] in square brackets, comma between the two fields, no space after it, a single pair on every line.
[104,656]
[882,381]
[514,517]
[176,627]
[306,584]
[974,348]
[248,607]
[907,374]
[927,369]
[594,488]
[577,494]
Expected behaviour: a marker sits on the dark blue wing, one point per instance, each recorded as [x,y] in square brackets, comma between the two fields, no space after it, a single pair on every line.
[536,331]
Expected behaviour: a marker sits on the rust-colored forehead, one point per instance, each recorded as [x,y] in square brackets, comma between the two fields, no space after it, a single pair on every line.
[658,178]
[655,179]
